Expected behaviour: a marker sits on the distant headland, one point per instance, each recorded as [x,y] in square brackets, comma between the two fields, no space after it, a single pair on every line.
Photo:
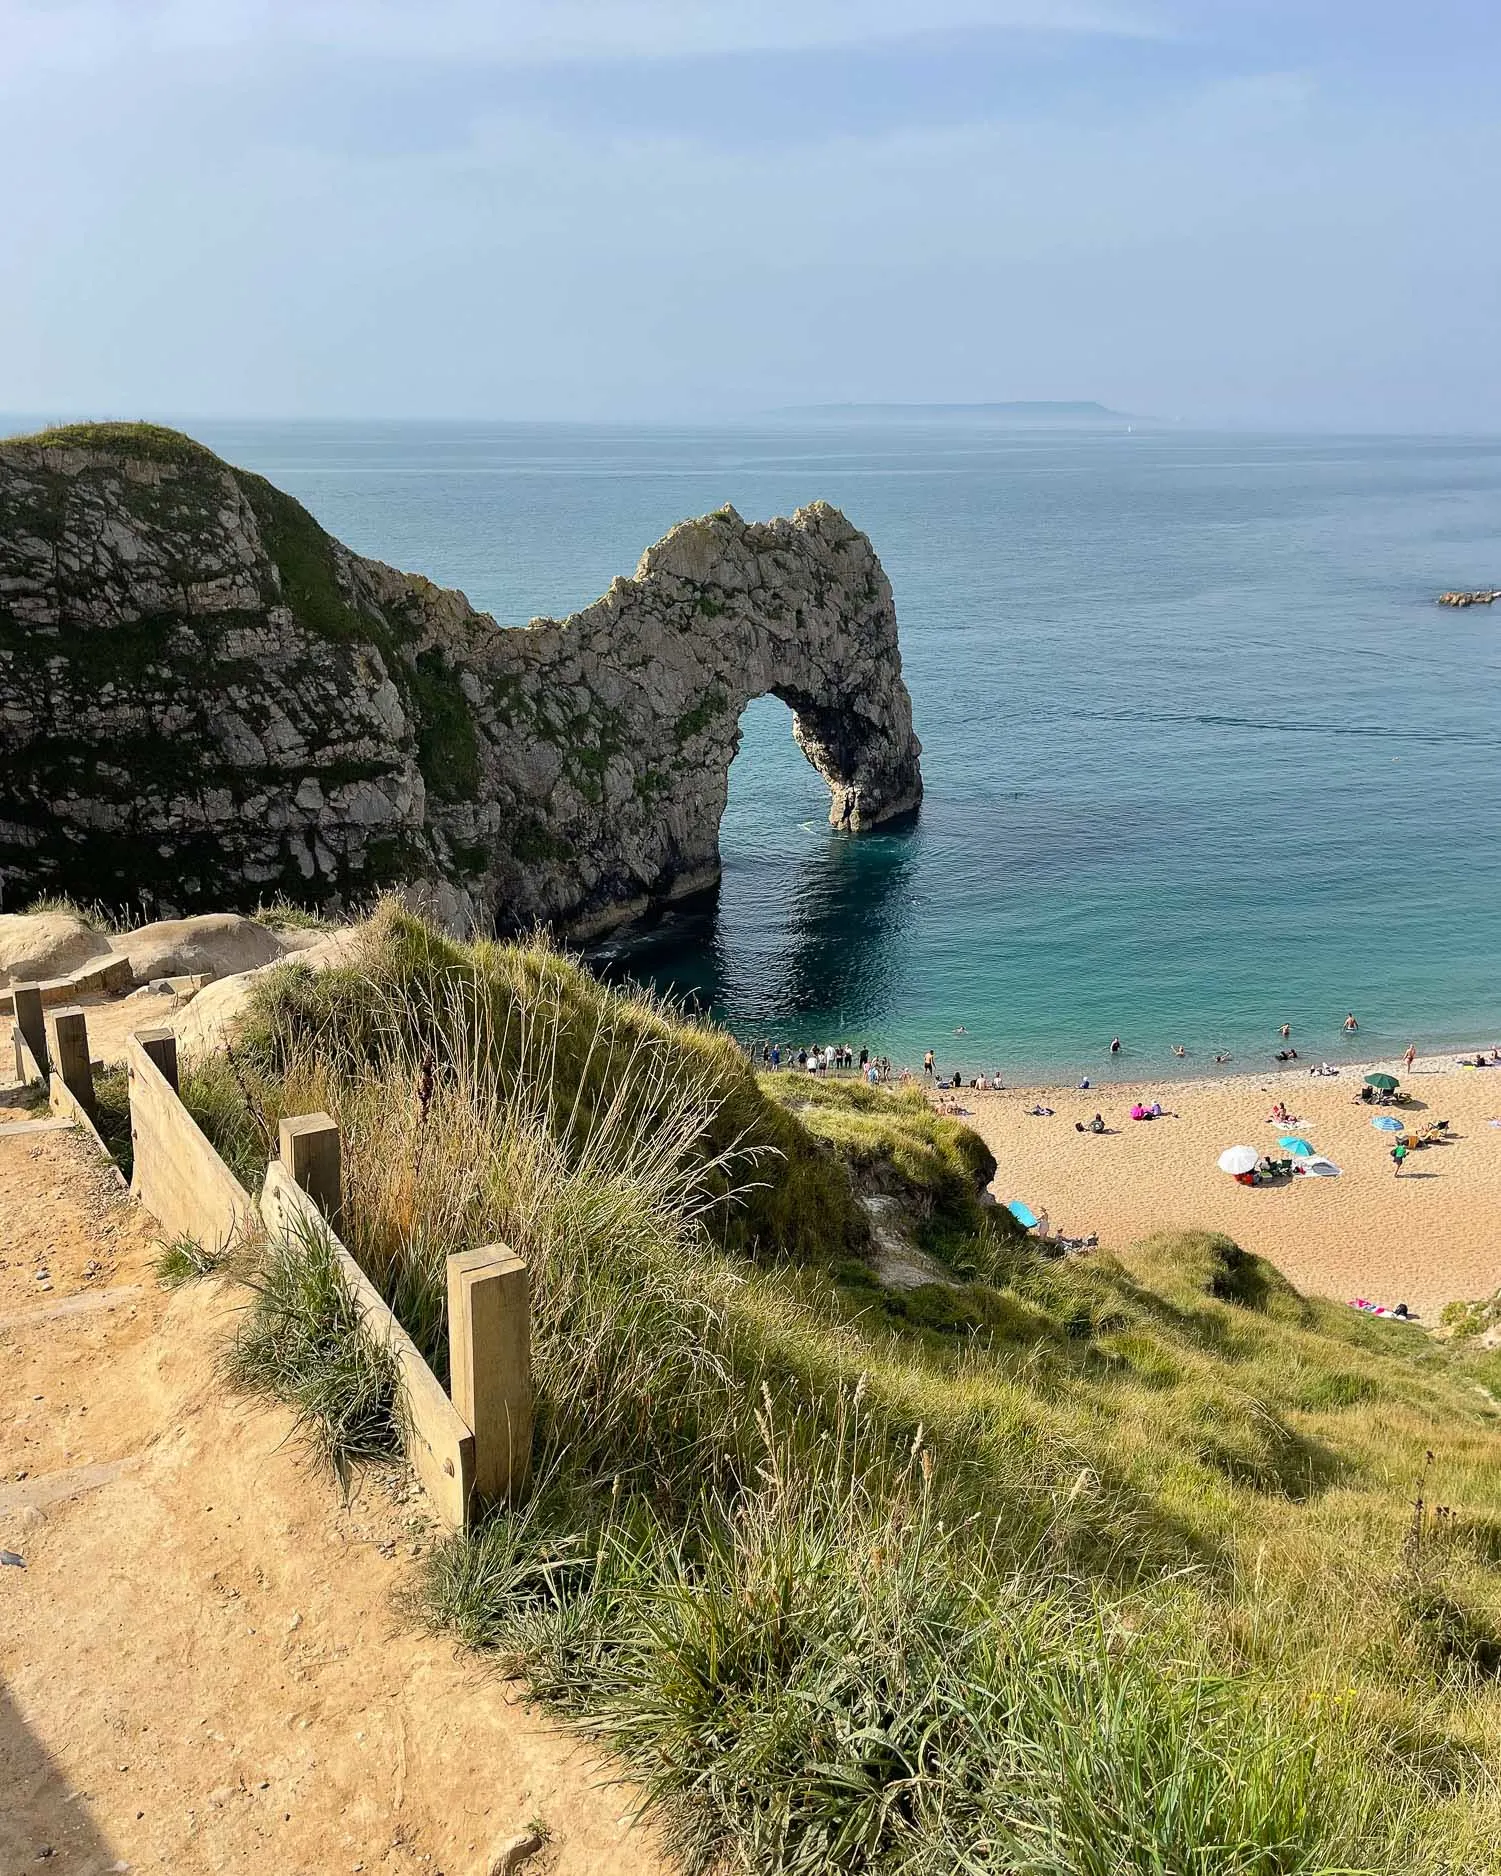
[1044,413]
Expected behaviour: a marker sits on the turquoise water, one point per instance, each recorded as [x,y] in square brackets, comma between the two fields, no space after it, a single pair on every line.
[1202,756]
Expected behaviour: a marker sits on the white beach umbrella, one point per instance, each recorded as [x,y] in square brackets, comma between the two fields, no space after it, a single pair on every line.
[1239,1159]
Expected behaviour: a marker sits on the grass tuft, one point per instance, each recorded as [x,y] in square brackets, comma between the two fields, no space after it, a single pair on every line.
[185,1261]
[301,1342]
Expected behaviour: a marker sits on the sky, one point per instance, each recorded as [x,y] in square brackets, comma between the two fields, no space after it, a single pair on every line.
[1265,212]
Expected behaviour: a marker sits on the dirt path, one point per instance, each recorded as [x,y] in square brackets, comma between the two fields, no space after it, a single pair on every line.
[201,1668]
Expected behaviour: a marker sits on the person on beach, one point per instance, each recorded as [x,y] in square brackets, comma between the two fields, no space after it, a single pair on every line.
[1350,1023]
[1410,1057]
[927,1066]
[1399,1154]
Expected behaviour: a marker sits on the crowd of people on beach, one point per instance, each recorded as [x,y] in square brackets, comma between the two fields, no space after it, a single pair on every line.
[834,1058]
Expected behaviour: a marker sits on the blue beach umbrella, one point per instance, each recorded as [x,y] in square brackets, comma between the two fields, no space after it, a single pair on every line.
[1295,1143]
[1023,1214]
[1388,1123]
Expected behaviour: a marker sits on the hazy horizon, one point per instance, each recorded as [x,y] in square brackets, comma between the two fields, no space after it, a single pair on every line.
[1258,214]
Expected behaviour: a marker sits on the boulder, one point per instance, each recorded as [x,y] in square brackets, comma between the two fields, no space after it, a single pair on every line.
[216,944]
[37,945]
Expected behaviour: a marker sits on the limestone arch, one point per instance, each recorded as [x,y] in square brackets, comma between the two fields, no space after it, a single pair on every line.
[659,671]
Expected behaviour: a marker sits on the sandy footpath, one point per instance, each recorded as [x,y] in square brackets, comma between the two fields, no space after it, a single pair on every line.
[201,1665]
[1423,1238]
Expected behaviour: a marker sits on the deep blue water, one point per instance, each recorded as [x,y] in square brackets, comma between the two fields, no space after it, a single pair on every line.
[1201,754]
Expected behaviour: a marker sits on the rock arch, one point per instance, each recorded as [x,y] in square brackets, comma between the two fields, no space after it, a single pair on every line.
[206,700]
[719,612]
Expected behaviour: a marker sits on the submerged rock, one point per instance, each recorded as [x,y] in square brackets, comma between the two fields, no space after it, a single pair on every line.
[206,700]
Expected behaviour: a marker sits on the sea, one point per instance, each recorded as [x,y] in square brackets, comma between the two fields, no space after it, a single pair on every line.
[1202,754]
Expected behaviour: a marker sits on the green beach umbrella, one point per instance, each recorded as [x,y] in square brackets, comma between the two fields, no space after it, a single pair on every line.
[1384,1082]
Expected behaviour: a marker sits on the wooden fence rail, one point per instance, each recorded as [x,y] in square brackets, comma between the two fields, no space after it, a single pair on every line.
[469,1450]
[178,1176]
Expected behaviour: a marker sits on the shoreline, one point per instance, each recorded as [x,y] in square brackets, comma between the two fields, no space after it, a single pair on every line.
[1106,1071]
[1232,1075]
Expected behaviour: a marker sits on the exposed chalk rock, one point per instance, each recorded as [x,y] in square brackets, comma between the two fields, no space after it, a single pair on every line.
[38,945]
[214,944]
[205,699]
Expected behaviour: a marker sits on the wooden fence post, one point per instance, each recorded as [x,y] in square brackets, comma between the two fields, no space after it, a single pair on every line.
[27,1003]
[15,1040]
[161,1046]
[490,1364]
[68,1036]
[309,1149]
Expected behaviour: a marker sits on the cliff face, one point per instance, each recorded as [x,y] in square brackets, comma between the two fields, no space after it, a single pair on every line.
[206,699]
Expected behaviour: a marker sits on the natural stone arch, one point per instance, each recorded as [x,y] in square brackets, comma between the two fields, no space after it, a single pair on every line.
[719,613]
[206,700]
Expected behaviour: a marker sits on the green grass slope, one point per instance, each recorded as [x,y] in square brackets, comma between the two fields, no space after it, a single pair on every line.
[1138,1563]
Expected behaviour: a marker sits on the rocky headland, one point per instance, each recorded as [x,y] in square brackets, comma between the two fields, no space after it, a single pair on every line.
[207,701]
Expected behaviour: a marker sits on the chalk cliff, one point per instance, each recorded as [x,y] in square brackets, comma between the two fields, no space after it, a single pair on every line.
[206,700]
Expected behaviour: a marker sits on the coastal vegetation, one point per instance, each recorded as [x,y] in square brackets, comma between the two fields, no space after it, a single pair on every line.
[1073,1566]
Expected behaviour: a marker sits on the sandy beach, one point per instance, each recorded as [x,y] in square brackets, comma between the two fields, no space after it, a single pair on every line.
[1422,1238]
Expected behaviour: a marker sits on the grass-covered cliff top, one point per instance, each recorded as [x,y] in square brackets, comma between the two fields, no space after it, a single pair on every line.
[148,442]
[1120,1563]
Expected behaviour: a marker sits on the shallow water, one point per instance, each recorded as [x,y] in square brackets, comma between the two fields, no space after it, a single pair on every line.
[1201,754]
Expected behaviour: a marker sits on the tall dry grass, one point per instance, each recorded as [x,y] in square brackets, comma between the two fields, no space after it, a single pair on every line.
[824,1637]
